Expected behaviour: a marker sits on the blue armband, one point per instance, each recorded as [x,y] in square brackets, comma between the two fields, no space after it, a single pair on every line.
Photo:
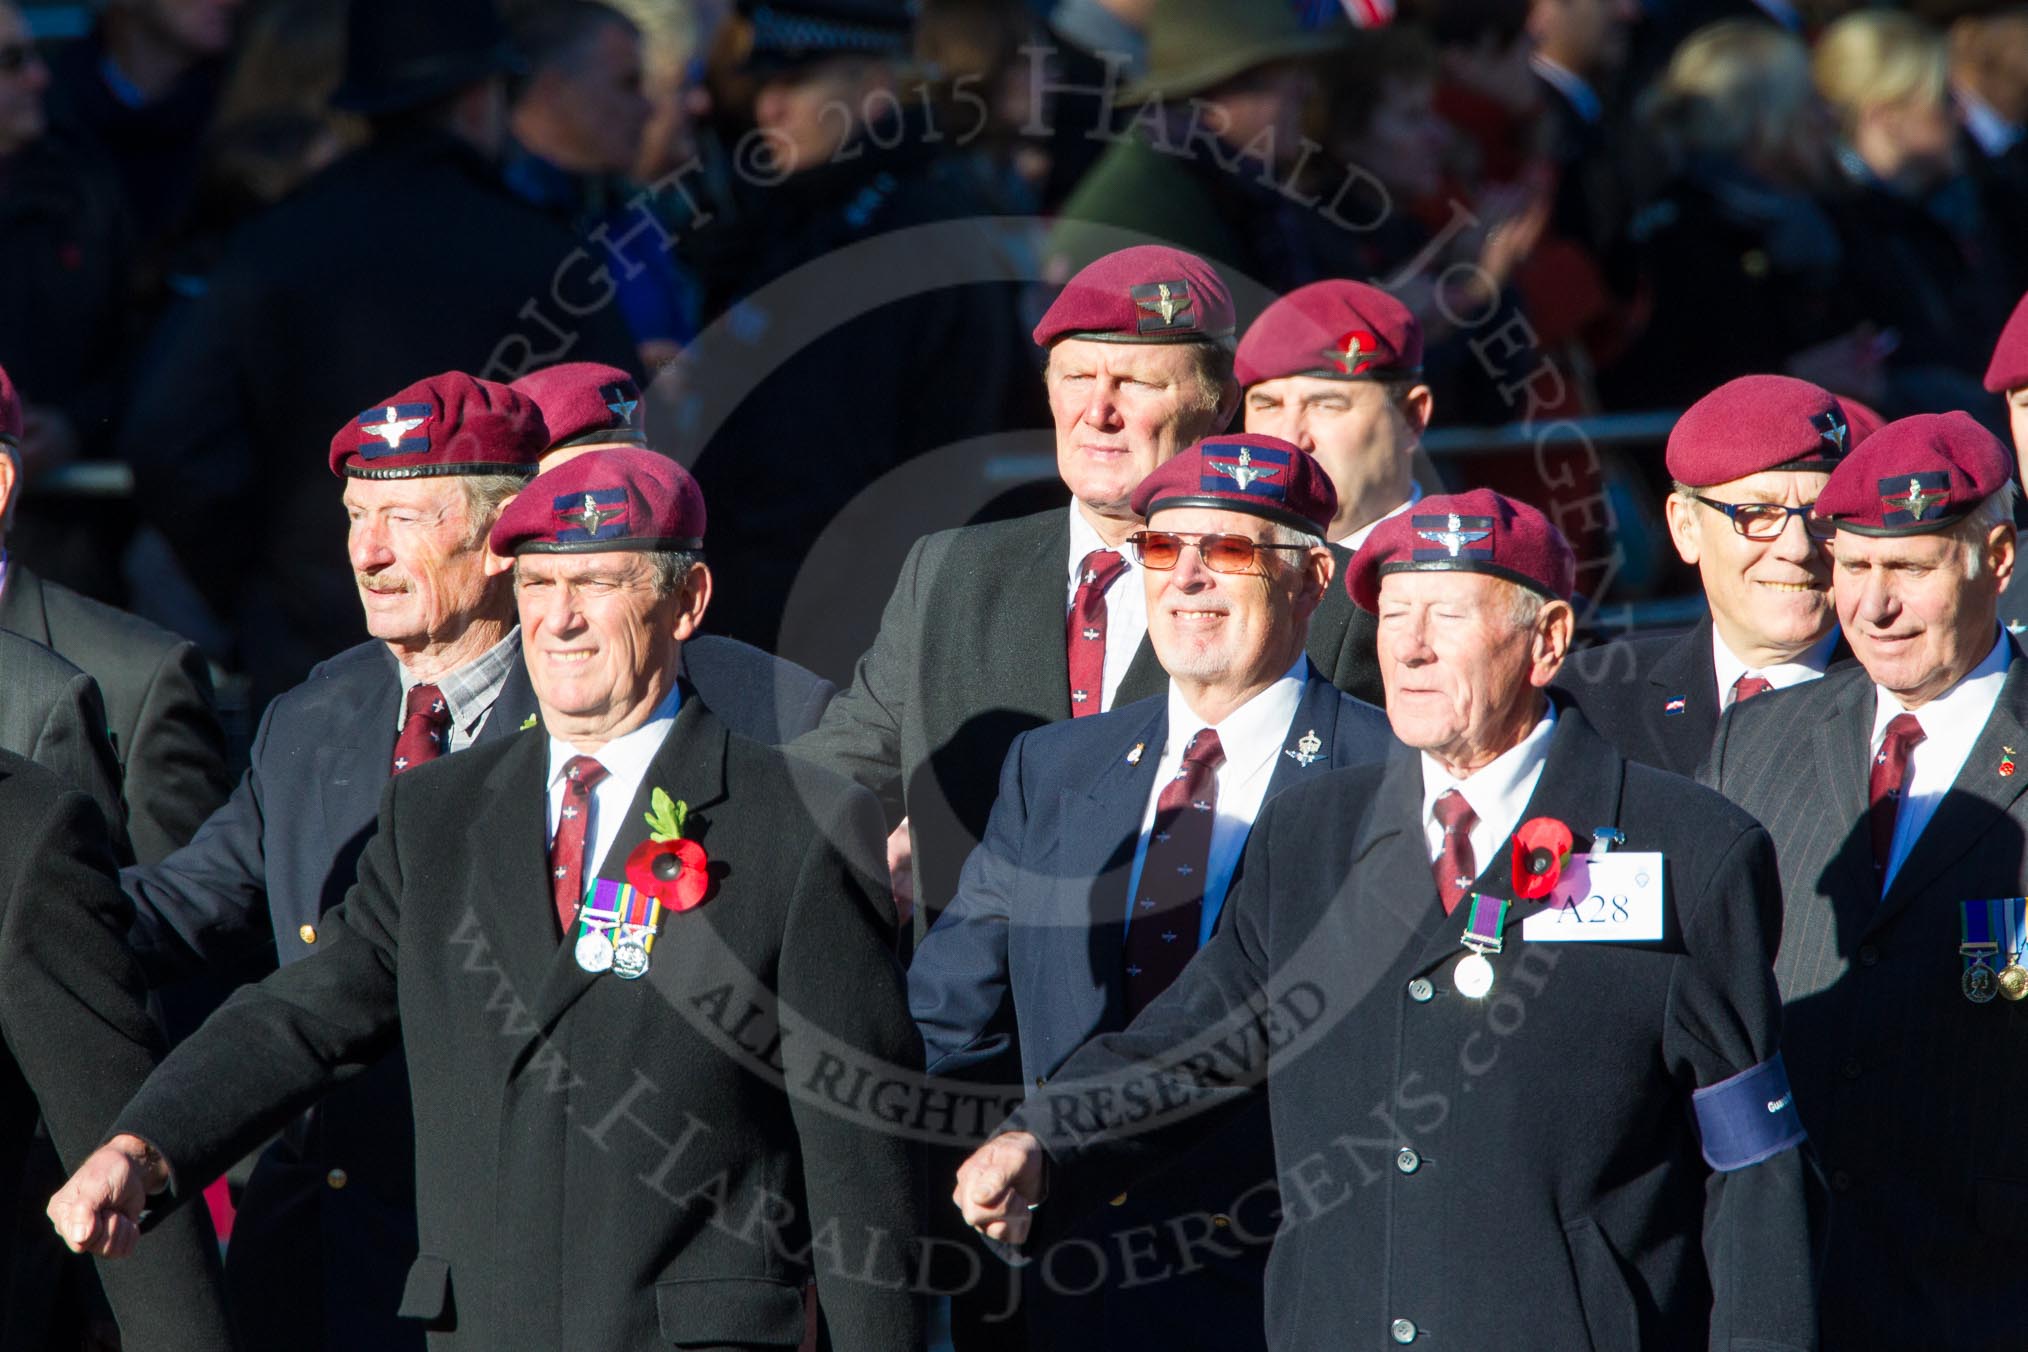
[1748,1118]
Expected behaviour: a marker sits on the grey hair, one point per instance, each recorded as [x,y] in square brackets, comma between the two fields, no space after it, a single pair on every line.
[485,496]
[1280,534]
[671,567]
[1524,605]
[1994,510]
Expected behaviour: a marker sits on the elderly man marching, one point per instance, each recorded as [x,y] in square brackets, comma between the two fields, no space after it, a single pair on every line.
[1507,996]
[1892,794]
[579,937]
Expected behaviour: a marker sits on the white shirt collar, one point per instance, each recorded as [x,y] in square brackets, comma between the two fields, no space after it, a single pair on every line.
[1358,537]
[1571,85]
[1965,706]
[1995,134]
[1084,538]
[626,756]
[1251,734]
[1498,792]
[1807,667]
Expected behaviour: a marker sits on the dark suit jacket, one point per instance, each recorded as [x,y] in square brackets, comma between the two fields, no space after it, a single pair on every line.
[591,1151]
[1521,1172]
[969,656]
[52,713]
[157,690]
[1031,949]
[1626,690]
[1907,1088]
[79,1041]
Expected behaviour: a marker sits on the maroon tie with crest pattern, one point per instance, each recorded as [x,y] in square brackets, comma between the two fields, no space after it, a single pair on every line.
[1168,913]
[1085,630]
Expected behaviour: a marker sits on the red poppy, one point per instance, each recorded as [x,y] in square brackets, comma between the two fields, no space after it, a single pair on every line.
[1541,849]
[670,871]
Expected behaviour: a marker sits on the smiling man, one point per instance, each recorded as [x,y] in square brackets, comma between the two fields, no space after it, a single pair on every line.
[1748,460]
[1487,1135]
[1100,876]
[1892,795]
[596,1148]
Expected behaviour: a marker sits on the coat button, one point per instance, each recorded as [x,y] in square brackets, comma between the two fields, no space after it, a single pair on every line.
[1850,1068]
[1869,956]
[1841,1181]
[307,933]
[1221,1222]
[1121,1200]
[1403,1330]
[1420,991]
[1407,1160]
[336,1178]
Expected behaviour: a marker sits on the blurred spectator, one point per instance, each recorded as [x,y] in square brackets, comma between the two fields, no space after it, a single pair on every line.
[1989,84]
[1918,261]
[1485,89]
[803,395]
[577,122]
[140,89]
[65,252]
[1741,260]
[1093,50]
[972,52]
[1215,124]
[407,256]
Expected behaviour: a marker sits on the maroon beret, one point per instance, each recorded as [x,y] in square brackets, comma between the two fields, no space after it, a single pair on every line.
[448,424]
[1147,294]
[1916,475]
[1243,472]
[1757,423]
[1476,532]
[586,403]
[10,411]
[2009,367]
[603,501]
[1334,329]
[1862,421]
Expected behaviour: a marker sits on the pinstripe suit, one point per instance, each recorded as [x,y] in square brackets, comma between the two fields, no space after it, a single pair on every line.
[1911,1093]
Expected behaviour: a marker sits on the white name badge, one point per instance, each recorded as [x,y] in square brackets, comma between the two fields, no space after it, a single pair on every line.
[1603,897]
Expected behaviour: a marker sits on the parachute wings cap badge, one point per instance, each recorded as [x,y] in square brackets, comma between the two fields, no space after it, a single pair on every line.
[1456,536]
[1906,501]
[1242,471]
[1831,426]
[590,515]
[1168,307]
[390,427]
[621,402]
[1355,352]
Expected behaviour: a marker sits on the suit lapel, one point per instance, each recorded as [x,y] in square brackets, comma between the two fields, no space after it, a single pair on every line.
[510,857]
[1686,672]
[1316,717]
[21,605]
[1103,832]
[512,708]
[1838,761]
[1391,846]
[353,757]
[690,766]
[1030,596]
[1978,798]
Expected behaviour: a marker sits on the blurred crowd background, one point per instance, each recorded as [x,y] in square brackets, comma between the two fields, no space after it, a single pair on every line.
[820,230]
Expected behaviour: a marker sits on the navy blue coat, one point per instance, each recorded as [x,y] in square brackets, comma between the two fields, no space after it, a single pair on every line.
[1030,952]
[335,1196]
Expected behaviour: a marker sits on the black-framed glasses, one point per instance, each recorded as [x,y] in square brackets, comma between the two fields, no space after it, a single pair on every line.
[1162,550]
[1765,521]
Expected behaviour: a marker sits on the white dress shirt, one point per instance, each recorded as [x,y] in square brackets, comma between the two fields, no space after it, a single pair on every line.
[1781,675]
[1252,737]
[1358,537]
[1126,603]
[1498,793]
[626,760]
[1951,725]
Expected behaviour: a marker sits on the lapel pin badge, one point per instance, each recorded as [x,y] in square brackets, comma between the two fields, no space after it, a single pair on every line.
[1134,756]
[528,722]
[1307,750]
[2006,761]
[1676,705]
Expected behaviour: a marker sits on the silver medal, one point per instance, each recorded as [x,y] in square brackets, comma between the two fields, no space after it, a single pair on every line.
[594,951]
[1473,977]
[630,959]
[1981,983]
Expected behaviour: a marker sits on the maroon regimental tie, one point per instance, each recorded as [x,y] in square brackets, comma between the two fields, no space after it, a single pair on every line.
[1085,630]
[1454,866]
[425,729]
[1169,910]
[1746,687]
[1886,784]
[581,775]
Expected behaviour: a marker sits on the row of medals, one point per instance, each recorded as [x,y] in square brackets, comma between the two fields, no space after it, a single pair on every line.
[1982,983]
[627,958]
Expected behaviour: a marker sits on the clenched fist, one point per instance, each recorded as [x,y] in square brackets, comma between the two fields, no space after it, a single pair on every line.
[99,1209]
[999,1184]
